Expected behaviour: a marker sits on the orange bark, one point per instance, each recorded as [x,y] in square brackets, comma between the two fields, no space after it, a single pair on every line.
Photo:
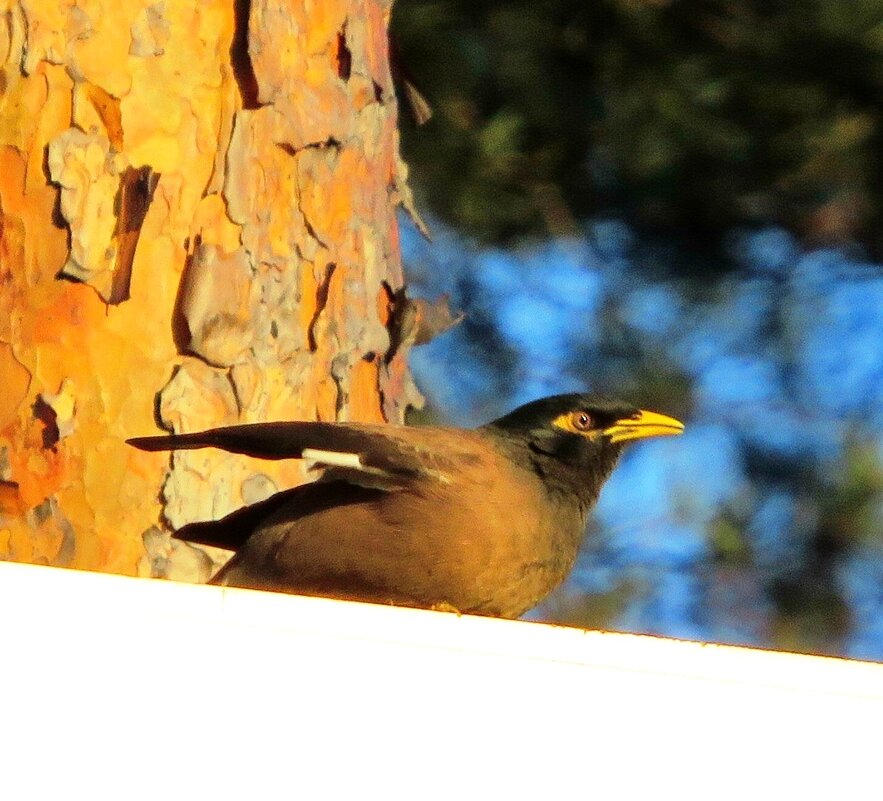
[197,224]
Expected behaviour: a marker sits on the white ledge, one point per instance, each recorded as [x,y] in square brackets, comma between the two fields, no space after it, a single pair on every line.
[121,688]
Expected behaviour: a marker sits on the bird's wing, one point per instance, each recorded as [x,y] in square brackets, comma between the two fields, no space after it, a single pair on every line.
[232,531]
[360,462]
[378,452]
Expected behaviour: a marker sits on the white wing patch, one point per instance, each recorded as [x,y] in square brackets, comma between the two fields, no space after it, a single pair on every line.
[350,467]
[317,459]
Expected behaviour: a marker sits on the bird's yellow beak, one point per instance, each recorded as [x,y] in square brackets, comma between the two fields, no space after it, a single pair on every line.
[643,425]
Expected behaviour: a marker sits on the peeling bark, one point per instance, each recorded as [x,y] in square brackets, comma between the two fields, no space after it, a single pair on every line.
[197,227]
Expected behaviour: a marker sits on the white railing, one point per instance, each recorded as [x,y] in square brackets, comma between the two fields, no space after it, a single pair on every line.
[120,688]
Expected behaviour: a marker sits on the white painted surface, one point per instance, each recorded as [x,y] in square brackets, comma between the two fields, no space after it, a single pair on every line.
[118,688]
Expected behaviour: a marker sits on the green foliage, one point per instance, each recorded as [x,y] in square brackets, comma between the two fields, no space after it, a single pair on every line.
[685,117]
[684,120]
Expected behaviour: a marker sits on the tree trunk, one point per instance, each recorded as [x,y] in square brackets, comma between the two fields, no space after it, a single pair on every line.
[197,228]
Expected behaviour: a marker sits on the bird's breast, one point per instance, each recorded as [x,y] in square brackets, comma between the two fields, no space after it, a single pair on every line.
[500,545]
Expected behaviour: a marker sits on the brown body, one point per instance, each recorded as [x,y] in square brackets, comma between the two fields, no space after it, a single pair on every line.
[484,540]
[487,521]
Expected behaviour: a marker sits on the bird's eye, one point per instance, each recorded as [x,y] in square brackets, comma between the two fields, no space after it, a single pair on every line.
[582,421]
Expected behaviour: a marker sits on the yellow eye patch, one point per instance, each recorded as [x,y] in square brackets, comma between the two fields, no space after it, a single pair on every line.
[576,422]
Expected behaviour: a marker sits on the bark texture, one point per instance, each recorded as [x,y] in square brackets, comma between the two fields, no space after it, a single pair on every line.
[197,228]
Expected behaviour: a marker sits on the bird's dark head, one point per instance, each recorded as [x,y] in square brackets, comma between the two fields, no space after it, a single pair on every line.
[574,440]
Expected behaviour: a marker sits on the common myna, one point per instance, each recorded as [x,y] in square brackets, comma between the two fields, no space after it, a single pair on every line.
[485,521]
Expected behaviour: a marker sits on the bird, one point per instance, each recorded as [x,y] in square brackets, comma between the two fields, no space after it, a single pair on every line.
[485,521]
